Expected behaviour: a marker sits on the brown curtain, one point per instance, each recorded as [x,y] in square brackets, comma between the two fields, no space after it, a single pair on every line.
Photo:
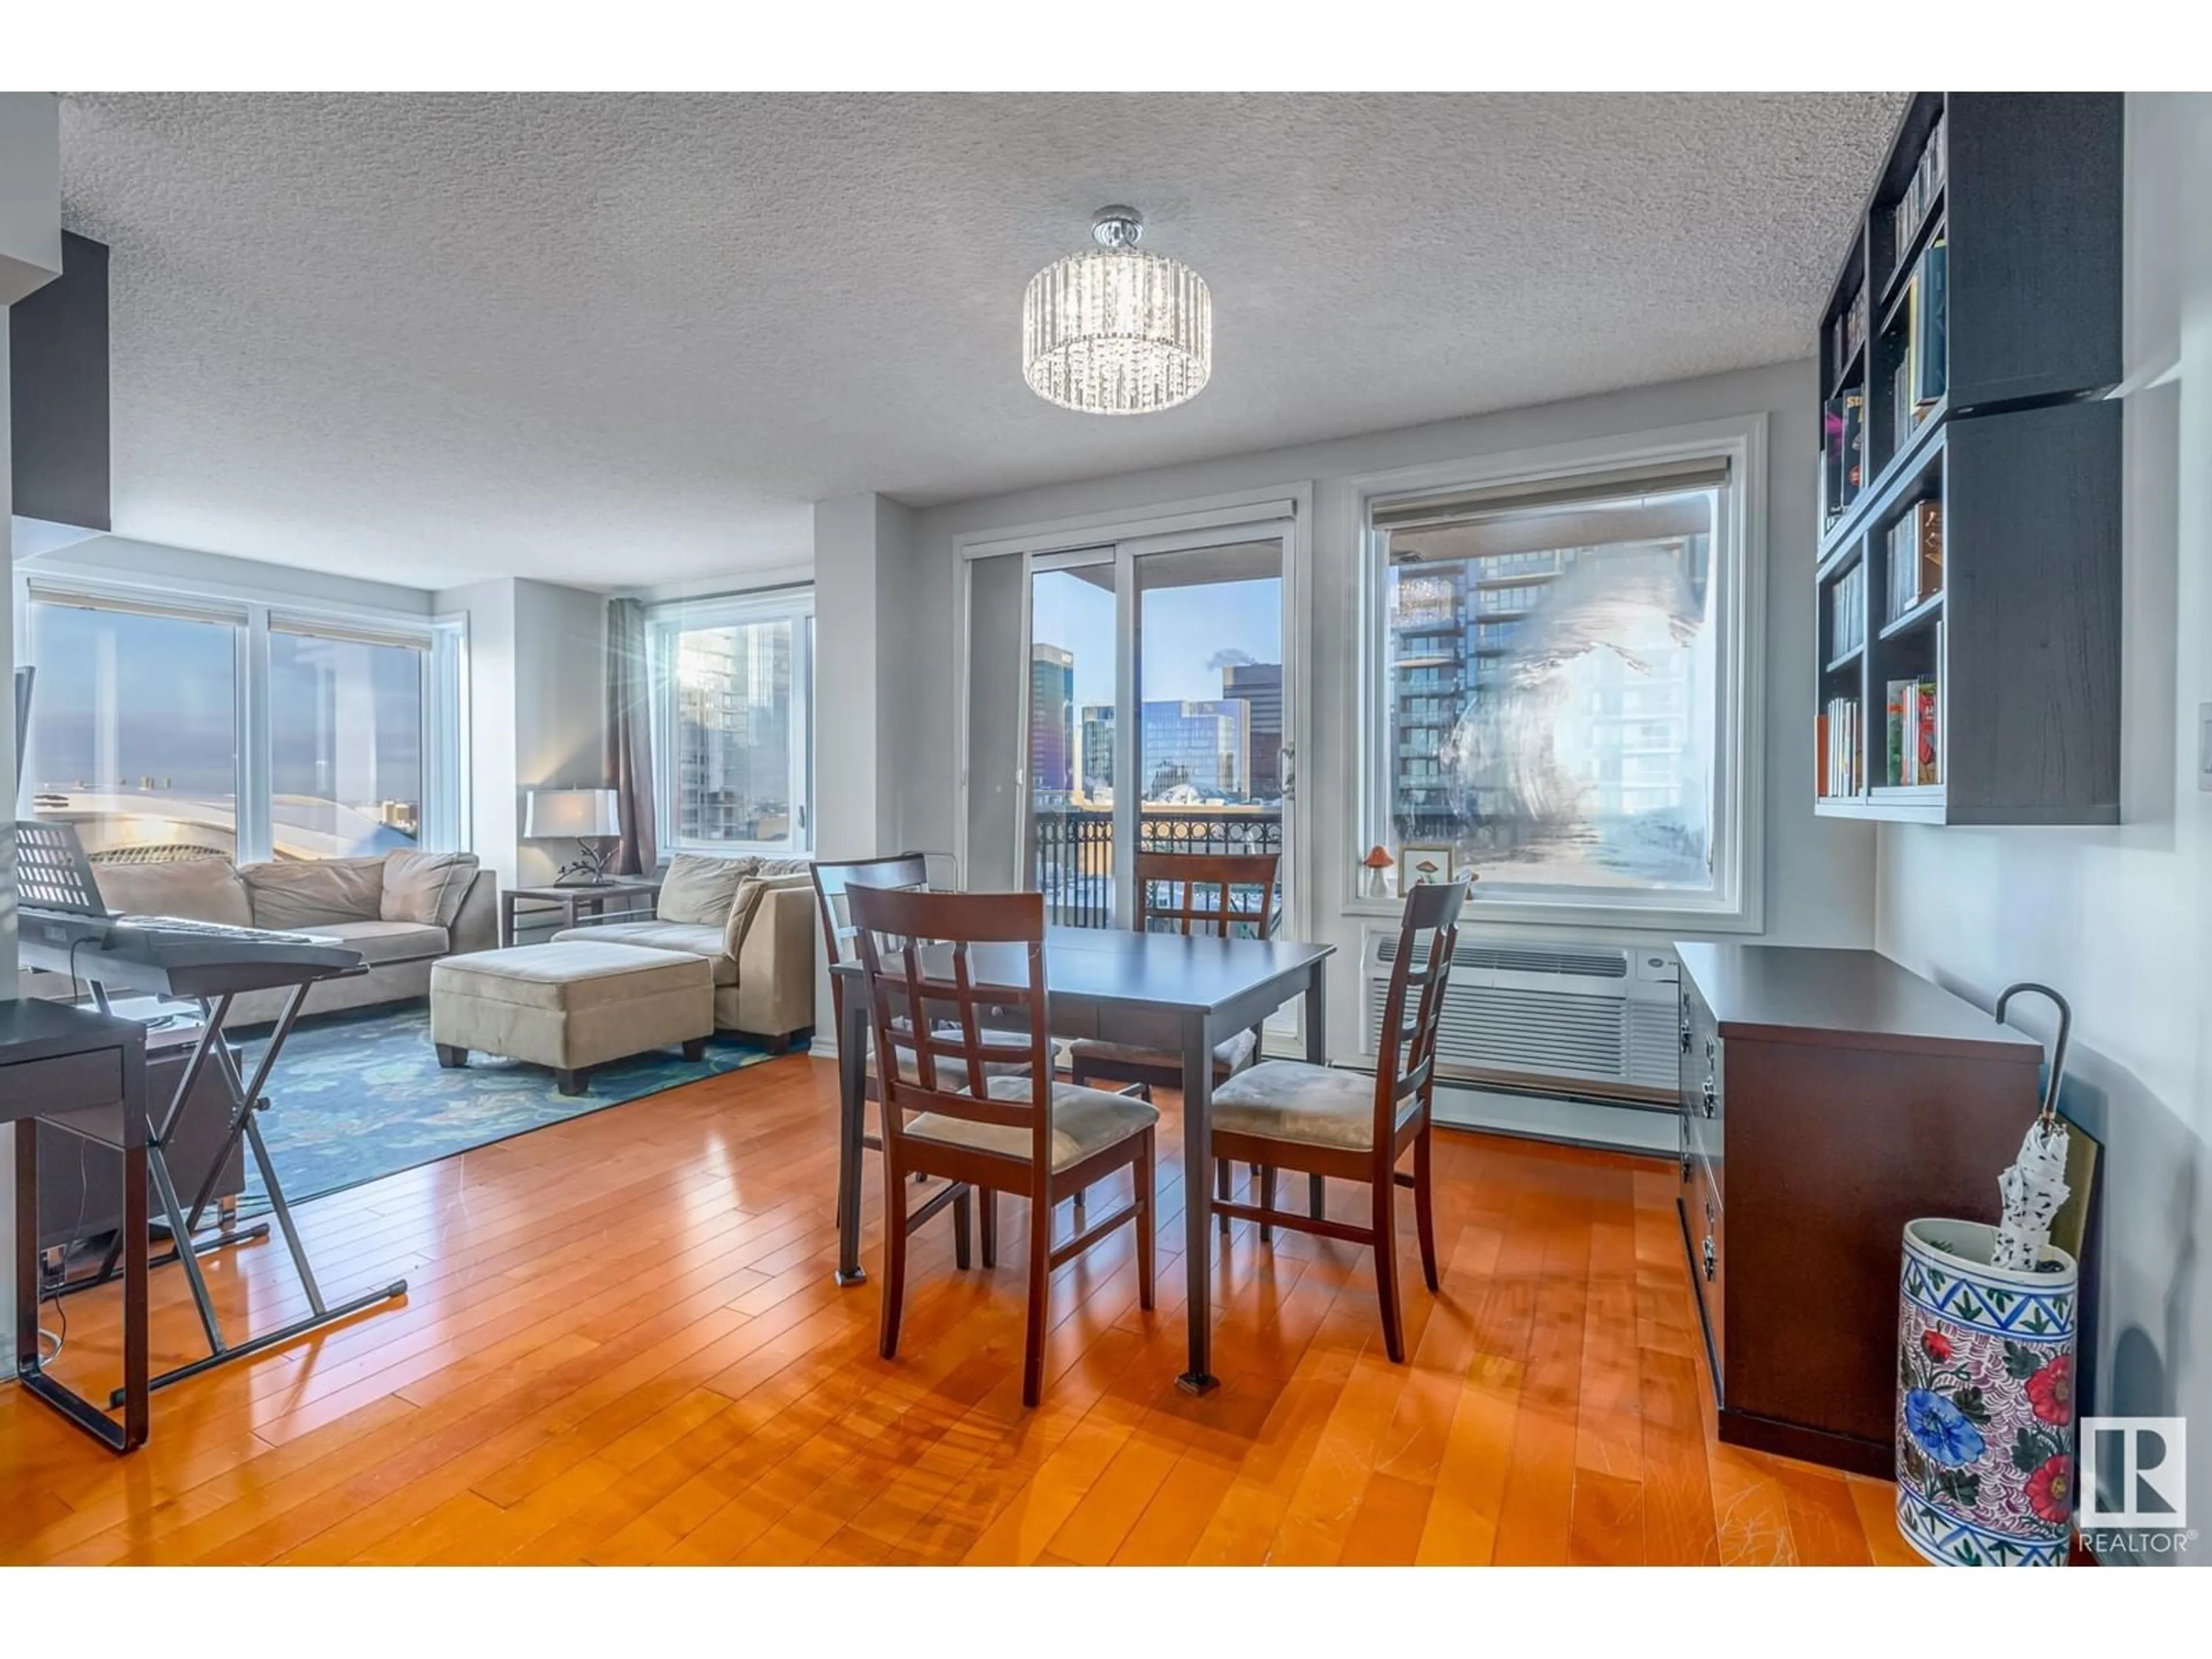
[630,736]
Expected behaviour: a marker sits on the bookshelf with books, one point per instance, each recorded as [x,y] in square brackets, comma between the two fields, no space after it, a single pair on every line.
[1967,570]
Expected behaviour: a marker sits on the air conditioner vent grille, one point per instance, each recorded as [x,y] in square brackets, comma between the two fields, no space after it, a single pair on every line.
[1654,1051]
[1551,1033]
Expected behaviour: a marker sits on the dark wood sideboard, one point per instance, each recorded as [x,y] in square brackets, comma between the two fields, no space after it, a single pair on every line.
[1828,1097]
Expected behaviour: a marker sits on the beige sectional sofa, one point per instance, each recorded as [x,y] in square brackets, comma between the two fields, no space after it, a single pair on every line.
[401,910]
[753,921]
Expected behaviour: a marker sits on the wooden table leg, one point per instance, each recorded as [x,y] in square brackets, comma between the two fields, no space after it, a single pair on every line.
[852,1118]
[1197,1199]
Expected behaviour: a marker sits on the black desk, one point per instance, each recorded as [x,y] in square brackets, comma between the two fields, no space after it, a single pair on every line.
[84,1073]
[1159,991]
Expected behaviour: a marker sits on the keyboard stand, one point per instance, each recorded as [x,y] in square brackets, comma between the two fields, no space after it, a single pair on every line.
[246,1100]
[226,1219]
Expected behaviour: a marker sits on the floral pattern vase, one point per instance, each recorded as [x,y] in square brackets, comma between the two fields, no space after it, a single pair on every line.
[1985,1466]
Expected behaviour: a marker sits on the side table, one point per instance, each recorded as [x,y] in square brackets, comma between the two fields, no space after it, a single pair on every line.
[577,902]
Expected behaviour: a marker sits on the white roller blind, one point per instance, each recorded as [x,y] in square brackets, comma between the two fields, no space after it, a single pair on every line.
[208,611]
[1541,494]
[351,631]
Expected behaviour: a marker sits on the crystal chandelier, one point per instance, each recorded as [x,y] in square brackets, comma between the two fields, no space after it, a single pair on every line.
[1114,331]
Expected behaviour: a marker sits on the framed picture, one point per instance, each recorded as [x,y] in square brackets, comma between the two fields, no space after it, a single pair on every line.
[1425,863]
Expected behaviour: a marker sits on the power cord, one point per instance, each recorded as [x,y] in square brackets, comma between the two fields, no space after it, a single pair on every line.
[60,1338]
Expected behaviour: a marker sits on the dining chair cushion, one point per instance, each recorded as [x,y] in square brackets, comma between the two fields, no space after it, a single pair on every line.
[1084,1121]
[1291,1100]
[1227,1056]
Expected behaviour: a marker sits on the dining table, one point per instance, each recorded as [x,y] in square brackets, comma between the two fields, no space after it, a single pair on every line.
[1170,993]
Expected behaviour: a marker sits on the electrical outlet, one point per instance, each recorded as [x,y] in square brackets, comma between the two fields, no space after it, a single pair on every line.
[2204,746]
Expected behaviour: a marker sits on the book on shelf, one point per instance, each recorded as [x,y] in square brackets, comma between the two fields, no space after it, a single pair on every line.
[1839,754]
[1847,612]
[1854,445]
[1926,731]
[1930,358]
[1911,745]
[1900,401]
[1850,328]
[1832,460]
[1910,208]
[1843,439]
[1917,382]
[1916,557]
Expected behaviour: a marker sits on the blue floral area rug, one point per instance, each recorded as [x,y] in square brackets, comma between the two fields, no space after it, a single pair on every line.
[356,1096]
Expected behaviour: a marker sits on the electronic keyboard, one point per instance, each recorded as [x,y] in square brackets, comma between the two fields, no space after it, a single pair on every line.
[178,956]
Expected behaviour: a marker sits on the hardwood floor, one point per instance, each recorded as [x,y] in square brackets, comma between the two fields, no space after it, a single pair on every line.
[623,1344]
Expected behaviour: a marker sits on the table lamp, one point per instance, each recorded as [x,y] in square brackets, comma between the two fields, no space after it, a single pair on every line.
[587,816]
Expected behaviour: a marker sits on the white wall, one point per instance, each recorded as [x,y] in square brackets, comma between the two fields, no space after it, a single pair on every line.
[494,830]
[1819,874]
[2120,920]
[561,701]
[537,667]
[30,194]
[30,243]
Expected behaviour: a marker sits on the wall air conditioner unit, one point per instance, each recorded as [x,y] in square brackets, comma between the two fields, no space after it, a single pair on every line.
[1592,1020]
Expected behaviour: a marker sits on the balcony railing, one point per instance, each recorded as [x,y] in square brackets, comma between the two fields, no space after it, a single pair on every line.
[1073,865]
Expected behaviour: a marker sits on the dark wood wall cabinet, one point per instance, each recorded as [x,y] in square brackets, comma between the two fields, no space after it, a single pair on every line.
[1968,564]
[1828,1097]
[58,391]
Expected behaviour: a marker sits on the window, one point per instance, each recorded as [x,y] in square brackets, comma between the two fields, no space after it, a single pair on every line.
[733,736]
[1553,694]
[133,735]
[345,739]
[176,725]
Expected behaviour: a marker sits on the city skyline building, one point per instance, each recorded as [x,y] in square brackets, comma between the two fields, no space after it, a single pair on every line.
[1052,723]
[1259,686]
[1098,752]
[733,733]
[1500,737]
[1203,749]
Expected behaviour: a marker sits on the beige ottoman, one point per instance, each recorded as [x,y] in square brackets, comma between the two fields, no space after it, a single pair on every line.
[571,1005]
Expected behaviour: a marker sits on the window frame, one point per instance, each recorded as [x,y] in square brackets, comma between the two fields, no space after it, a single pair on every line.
[445,805]
[663,623]
[1736,903]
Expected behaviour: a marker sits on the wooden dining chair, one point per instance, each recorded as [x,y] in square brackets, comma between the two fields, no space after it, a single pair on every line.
[833,881]
[1286,1114]
[1187,893]
[937,965]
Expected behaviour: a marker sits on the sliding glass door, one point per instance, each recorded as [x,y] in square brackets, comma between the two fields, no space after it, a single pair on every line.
[1211,749]
[1073,761]
[1154,713]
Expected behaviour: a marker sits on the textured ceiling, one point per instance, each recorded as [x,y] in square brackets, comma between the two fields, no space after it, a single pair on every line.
[616,339]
